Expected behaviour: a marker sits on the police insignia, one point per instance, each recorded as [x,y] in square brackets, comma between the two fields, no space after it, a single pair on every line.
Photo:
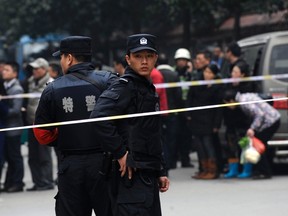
[143,41]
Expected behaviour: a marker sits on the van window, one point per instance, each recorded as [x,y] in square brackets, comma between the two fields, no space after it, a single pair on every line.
[252,55]
[279,60]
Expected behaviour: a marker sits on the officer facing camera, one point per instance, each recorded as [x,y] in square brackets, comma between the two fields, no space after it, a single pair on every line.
[134,142]
[81,187]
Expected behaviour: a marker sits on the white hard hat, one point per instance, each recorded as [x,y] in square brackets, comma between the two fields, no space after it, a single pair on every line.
[182,53]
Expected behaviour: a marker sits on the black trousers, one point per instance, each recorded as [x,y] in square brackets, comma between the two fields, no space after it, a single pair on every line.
[264,164]
[81,188]
[1,153]
[138,196]
[170,140]
[184,139]
[14,159]
[40,162]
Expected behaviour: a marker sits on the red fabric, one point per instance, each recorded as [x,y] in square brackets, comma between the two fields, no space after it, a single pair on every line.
[45,137]
[258,145]
[157,77]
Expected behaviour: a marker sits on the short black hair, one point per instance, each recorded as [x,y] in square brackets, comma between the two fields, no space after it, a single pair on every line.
[235,49]
[56,67]
[162,59]
[244,68]
[97,63]
[207,54]
[229,94]
[81,57]
[214,68]
[15,66]
[122,61]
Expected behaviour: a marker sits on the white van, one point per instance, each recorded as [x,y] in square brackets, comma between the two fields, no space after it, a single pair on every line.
[267,54]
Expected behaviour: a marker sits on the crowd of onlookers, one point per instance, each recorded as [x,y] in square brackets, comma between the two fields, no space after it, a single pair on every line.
[199,130]
[183,132]
[17,112]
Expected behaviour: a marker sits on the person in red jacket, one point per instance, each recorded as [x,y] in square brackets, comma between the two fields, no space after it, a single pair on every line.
[157,78]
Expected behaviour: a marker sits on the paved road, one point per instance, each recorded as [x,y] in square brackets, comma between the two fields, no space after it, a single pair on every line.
[186,197]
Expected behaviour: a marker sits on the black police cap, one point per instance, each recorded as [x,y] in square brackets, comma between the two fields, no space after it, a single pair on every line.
[140,42]
[76,45]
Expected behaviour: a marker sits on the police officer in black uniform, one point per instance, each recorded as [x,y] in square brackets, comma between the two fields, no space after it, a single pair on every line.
[81,187]
[134,142]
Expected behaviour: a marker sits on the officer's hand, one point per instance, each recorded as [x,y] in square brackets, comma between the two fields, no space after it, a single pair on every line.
[122,164]
[163,183]
[250,133]
[130,171]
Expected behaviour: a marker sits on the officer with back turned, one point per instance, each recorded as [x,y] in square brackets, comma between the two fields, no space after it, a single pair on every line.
[134,142]
[81,187]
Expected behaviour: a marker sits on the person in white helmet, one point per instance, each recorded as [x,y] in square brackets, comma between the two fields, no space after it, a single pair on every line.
[183,68]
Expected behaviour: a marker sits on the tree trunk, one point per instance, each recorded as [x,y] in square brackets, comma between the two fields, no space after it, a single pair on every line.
[186,27]
[136,15]
[237,24]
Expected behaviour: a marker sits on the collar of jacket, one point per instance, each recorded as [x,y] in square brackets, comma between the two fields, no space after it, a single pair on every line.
[130,71]
[165,67]
[83,67]
[9,84]
[42,81]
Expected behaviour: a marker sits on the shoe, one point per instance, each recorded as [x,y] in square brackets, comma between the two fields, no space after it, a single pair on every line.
[198,175]
[3,190]
[247,170]
[172,166]
[15,188]
[36,188]
[203,171]
[261,176]
[211,170]
[187,165]
[233,171]
[47,187]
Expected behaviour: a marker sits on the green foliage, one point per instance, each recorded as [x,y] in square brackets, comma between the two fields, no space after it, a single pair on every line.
[104,18]
[244,142]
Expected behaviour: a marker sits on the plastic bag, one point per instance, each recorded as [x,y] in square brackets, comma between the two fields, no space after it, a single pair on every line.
[252,148]
[251,155]
[258,145]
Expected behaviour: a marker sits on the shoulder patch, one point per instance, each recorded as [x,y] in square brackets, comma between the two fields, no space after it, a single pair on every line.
[123,80]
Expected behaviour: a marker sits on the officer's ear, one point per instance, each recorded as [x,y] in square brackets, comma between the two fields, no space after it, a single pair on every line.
[156,58]
[70,59]
[127,57]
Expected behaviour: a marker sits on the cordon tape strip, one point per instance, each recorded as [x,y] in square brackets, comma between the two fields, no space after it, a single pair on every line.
[56,124]
[222,81]
[179,84]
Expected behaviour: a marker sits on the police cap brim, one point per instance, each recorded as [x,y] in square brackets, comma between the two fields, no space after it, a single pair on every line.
[137,49]
[55,54]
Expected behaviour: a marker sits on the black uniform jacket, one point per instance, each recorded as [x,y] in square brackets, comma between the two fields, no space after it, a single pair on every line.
[132,93]
[70,98]
[203,121]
